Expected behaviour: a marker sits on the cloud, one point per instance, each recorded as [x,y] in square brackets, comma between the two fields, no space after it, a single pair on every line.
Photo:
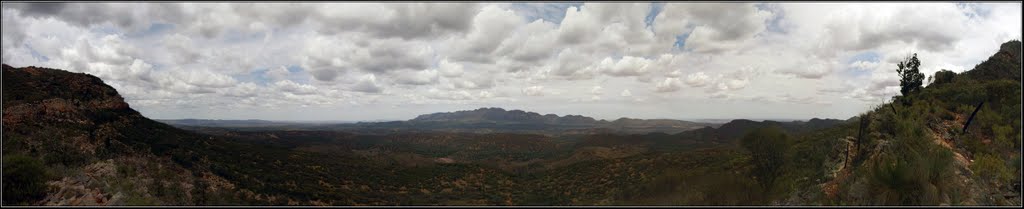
[216,60]
[534,91]
[627,66]
[713,27]
[573,65]
[367,84]
[450,69]
[422,77]
[295,88]
[596,90]
[864,65]
[810,69]
[698,79]
[278,73]
[490,28]
[669,85]
[406,21]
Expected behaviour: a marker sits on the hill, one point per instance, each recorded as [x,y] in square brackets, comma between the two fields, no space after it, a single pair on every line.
[70,139]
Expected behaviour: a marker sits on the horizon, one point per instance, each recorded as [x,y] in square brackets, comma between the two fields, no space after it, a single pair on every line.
[700,120]
[395,61]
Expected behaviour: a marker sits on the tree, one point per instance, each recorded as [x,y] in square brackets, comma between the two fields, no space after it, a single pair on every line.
[943,76]
[768,147]
[911,78]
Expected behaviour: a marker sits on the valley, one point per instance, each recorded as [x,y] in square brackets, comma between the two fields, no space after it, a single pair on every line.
[70,139]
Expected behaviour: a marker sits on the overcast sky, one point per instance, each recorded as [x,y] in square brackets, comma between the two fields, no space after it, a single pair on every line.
[373,61]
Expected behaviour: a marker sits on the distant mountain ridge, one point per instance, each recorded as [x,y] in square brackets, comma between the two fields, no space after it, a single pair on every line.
[225,123]
[499,115]
[499,120]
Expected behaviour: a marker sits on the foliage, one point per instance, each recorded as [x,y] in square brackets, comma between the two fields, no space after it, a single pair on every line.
[991,167]
[24,180]
[768,148]
[942,77]
[912,170]
[910,77]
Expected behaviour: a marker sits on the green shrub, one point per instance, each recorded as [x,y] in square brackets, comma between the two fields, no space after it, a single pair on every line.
[912,170]
[1003,134]
[768,148]
[943,76]
[24,180]
[991,167]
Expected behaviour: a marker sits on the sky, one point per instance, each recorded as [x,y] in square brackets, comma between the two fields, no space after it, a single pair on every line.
[394,61]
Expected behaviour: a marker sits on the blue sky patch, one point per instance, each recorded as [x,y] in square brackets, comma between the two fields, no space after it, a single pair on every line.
[775,22]
[865,56]
[105,29]
[36,54]
[256,76]
[154,29]
[234,36]
[259,75]
[655,10]
[553,12]
[850,71]
[681,41]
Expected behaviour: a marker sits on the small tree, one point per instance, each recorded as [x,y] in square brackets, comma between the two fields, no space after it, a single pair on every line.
[768,148]
[943,76]
[911,78]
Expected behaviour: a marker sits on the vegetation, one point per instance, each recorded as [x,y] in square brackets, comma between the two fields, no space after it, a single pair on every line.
[24,180]
[910,76]
[918,156]
[768,148]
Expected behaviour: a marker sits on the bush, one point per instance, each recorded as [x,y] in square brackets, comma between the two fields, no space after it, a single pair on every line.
[991,167]
[1003,134]
[912,171]
[943,76]
[768,147]
[24,180]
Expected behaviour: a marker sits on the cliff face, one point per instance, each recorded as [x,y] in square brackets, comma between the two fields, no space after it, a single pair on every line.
[95,149]
[39,95]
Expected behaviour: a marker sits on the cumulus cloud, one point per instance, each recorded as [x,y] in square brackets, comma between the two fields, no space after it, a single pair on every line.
[698,79]
[864,65]
[534,91]
[422,77]
[170,59]
[367,84]
[669,85]
[597,90]
[490,28]
[712,28]
[450,69]
[627,66]
[294,88]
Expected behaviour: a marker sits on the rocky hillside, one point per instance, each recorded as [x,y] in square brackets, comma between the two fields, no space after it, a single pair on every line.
[90,148]
[956,142]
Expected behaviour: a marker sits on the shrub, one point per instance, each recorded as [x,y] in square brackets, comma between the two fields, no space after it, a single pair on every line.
[991,167]
[912,171]
[768,147]
[24,180]
[1003,134]
[943,76]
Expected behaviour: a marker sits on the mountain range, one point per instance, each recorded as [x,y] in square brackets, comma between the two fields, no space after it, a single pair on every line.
[494,120]
[71,139]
